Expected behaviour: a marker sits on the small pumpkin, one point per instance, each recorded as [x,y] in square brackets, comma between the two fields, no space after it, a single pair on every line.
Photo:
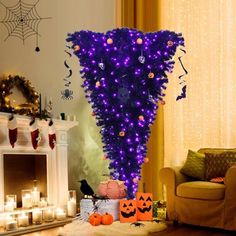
[107,219]
[95,219]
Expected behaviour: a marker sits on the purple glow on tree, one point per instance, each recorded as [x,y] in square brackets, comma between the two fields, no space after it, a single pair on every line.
[124,72]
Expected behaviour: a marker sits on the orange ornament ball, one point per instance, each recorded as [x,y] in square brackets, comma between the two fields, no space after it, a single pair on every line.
[107,219]
[151,75]
[98,84]
[95,219]
[104,158]
[109,41]
[170,43]
[146,160]
[76,47]
[135,180]
[141,118]
[163,102]
[122,134]
[139,41]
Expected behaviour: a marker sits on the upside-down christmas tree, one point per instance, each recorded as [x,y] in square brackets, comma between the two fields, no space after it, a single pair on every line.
[124,72]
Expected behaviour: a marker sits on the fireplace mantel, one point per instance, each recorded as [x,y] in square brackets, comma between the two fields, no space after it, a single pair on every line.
[57,166]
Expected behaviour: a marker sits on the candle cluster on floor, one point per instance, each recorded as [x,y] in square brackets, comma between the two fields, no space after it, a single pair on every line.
[125,72]
[35,210]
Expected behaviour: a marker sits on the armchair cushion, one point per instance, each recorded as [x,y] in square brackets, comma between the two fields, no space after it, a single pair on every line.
[201,190]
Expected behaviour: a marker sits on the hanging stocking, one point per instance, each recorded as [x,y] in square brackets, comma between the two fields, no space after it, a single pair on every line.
[51,135]
[12,130]
[34,131]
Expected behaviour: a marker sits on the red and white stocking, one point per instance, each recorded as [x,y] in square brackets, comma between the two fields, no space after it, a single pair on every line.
[12,128]
[51,135]
[35,135]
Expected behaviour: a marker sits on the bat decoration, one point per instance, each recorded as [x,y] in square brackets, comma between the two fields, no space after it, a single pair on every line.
[67,93]
[183,93]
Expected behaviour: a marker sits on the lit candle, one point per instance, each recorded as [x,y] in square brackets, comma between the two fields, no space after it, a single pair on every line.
[11,198]
[60,214]
[48,215]
[43,202]
[35,196]
[71,207]
[23,220]
[26,200]
[37,216]
[9,206]
[10,224]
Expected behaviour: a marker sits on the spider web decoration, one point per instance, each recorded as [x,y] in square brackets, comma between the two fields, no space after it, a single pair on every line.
[22,21]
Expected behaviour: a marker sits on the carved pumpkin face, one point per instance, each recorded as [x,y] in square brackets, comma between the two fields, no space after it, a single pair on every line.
[128,211]
[144,206]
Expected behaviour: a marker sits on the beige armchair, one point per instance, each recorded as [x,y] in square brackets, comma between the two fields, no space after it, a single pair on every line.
[200,202]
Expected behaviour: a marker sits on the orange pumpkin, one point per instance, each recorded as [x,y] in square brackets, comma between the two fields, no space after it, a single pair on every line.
[95,219]
[144,206]
[128,211]
[107,219]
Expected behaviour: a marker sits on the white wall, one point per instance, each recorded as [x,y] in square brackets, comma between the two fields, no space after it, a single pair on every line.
[46,72]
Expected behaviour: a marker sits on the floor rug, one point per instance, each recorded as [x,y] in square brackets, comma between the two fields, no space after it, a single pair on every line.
[81,228]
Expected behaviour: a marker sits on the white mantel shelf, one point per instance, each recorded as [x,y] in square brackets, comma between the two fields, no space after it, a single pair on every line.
[57,159]
[23,121]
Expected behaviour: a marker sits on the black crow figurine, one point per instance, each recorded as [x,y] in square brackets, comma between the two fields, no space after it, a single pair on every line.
[86,189]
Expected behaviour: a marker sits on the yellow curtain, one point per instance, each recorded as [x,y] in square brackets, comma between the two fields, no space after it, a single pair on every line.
[144,15]
[206,118]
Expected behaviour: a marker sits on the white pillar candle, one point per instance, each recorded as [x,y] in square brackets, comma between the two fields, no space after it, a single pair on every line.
[23,220]
[48,215]
[37,216]
[27,201]
[60,214]
[9,206]
[35,196]
[71,207]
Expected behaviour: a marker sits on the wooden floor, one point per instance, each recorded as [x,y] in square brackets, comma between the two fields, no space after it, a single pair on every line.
[180,230]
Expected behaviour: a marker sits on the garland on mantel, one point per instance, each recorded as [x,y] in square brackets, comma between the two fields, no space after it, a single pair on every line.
[31,107]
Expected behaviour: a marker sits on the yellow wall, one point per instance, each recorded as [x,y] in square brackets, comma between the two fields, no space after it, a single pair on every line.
[46,70]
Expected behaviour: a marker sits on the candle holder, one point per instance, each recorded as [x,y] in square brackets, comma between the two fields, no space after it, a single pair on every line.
[12,198]
[10,223]
[43,202]
[48,215]
[37,216]
[26,198]
[23,219]
[71,204]
[60,214]
[9,206]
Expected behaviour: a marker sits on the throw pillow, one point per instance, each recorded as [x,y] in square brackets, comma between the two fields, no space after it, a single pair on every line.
[218,164]
[219,180]
[194,165]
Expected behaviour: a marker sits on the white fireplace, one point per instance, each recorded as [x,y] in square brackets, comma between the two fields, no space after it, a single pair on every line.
[56,159]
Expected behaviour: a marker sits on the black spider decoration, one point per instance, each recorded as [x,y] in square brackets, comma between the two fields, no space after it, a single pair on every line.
[67,94]
[137,224]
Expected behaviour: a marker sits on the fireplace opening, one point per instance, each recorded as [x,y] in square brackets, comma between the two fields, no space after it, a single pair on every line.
[20,171]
